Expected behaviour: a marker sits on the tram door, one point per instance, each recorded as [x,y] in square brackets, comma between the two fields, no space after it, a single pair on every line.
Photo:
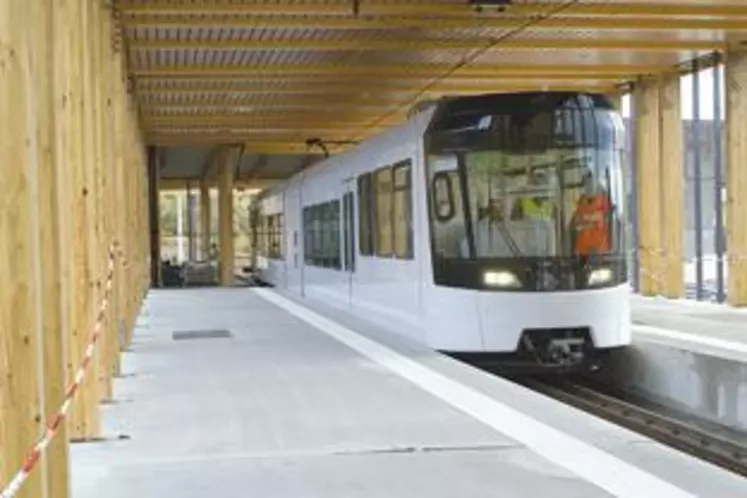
[348,236]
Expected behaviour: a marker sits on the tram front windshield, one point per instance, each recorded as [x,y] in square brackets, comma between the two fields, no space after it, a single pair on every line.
[529,185]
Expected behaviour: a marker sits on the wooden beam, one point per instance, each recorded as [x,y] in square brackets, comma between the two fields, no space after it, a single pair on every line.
[427,23]
[212,168]
[659,10]
[256,167]
[109,210]
[204,216]
[98,230]
[166,184]
[648,180]
[672,203]
[374,43]
[426,71]
[21,413]
[228,160]
[154,211]
[118,198]
[85,421]
[660,180]
[50,33]
[736,157]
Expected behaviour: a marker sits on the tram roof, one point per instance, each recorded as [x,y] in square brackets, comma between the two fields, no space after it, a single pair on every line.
[271,74]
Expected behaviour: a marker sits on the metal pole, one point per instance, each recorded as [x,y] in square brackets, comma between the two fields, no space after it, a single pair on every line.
[718,180]
[697,181]
[632,153]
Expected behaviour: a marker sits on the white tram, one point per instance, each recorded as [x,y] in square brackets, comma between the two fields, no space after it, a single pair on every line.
[457,229]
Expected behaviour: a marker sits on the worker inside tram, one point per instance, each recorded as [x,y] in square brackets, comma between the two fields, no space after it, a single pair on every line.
[591,226]
[542,213]
[536,204]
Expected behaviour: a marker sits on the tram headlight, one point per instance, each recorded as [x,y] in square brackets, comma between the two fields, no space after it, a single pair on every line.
[600,276]
[501,279]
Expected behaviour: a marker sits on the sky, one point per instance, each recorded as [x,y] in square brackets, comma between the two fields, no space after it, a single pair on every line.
[705,80]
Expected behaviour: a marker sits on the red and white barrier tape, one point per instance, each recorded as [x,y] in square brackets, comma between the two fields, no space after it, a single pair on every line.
[33,457]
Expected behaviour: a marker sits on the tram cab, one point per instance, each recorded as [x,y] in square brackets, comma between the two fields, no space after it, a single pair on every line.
[526,212]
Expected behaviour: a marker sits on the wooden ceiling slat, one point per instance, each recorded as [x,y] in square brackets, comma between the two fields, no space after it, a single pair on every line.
[291,66]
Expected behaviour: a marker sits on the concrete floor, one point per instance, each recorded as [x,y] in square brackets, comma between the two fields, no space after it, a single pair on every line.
[283,410]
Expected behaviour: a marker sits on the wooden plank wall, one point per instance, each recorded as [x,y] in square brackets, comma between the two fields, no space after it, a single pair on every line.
[73,174]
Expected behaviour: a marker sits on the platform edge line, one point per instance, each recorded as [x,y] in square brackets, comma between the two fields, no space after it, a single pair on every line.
[582,459]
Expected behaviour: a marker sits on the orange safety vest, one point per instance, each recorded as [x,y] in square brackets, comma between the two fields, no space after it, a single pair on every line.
[591,225]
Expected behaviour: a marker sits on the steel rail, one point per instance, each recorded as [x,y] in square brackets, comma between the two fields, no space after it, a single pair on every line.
[696,441]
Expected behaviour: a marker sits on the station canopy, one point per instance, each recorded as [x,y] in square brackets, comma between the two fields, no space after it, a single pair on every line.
[272,75]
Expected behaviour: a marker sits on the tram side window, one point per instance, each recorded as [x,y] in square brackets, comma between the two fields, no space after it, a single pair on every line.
[322,235]
[275,236]
[308,236]
[261,232]
[403,210]
[365,215]
[347,232]
[384,211]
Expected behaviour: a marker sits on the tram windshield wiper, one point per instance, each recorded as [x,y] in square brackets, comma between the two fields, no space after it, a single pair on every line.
[506,234]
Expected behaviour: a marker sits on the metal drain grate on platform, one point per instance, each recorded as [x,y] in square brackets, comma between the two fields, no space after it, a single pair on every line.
[186,335]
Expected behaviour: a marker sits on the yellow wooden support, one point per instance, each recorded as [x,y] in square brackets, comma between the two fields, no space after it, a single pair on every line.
[21,413]
[672,189]
[98,263]
[648,180]
[204,220]
[372,43]
[206,95]
[228,161]
[85,419]
[660,181]
[424,22]
[425,71]
[736,157]
[110,342]
[52,269]
[172,184]
[452,9]
[119,198]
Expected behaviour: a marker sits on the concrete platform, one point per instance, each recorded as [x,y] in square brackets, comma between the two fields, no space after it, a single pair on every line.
[689,356]
[311,402]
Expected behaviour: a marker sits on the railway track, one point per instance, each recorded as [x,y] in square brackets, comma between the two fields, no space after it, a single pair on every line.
[707,445]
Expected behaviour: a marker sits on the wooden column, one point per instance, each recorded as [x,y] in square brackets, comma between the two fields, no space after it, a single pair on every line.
[672,189]
[736,177]
[49,68]
[660,186]
[68,71]
[648,182]
[21,416]
[85,416]
[129,217]
[119,198]
[106,211]
[154,212]
[98,234]
[204,220]
[225,216]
